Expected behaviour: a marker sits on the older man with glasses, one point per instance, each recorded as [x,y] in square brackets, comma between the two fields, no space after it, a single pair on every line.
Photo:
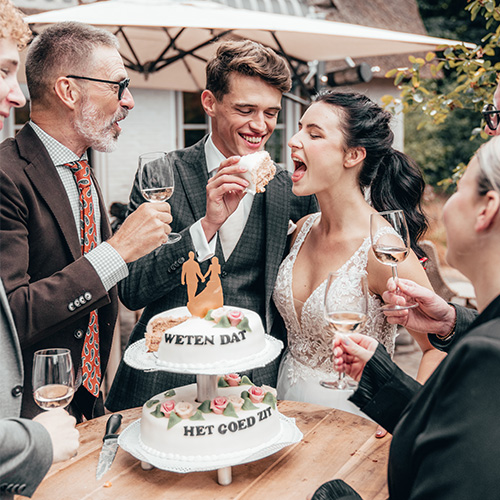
[58,260]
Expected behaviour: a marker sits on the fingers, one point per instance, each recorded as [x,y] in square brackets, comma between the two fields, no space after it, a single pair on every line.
[380,433]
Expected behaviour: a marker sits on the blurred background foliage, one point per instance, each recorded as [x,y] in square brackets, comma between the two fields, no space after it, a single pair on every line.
[443,123]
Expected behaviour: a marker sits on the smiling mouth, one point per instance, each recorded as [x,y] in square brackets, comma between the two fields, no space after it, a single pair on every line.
[252,139]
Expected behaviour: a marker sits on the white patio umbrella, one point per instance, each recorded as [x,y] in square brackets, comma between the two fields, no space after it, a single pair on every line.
[168,42]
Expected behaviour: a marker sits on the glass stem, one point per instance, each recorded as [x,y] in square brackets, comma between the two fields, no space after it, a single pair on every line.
[395,278]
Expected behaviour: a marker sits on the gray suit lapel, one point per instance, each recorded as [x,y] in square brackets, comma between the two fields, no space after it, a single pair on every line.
[193,176]
[45,178]
[277,216]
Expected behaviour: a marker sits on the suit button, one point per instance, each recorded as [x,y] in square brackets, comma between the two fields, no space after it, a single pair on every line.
[17,391]
[77,302]
[71,306]
[223,274]
[88,296]
[82,300]
[78,334]
[21,488]
[181,260]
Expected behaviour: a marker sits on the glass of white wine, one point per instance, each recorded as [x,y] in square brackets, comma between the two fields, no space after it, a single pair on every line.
[53,378]
[156,180]
[391,244]
[344,315]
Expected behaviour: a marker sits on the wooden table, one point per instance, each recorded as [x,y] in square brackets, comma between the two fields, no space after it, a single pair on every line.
[336,444]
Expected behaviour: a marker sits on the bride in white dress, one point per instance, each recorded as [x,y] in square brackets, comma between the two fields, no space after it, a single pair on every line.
[343,147]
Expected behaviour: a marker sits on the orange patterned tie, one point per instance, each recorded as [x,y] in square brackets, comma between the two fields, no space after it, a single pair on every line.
[91,366]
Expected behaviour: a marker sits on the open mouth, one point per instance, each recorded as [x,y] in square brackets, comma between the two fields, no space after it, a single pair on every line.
[300,170]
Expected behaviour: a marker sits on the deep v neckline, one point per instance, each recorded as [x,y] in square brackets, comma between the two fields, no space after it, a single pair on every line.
[301,238]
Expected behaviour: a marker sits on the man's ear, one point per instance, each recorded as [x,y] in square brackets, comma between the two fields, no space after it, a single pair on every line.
[489,211]
[67,92]
[354,157]
[208,101]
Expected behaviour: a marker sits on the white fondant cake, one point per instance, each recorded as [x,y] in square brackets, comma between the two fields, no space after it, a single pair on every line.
[199,342]
[260,170]
[242,419]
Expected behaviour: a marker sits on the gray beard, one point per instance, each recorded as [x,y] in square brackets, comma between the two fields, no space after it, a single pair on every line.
[91,126]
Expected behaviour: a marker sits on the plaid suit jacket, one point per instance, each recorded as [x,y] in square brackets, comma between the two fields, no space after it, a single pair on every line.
[154,281]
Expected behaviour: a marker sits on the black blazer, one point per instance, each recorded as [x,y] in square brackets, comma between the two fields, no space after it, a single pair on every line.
[446,442]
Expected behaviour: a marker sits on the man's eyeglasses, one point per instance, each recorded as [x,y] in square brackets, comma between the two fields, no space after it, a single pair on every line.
[490,115]
[121,85]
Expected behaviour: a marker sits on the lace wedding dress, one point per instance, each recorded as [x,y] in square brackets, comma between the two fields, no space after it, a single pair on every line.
[308,358]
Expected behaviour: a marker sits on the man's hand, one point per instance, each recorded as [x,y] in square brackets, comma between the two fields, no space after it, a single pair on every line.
[61,427]
[433,315]
[352,352]
[142,231]
[225,190]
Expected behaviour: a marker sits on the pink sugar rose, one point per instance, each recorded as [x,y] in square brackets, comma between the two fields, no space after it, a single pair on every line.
[218,405]
[237,401]
[270,389]
[184,409]
[235,317]
[167,407]
[233,379]
[256,394]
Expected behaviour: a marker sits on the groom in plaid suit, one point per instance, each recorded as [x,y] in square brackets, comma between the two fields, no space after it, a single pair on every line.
[246,232]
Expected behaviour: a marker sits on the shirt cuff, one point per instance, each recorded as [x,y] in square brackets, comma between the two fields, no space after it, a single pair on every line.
[204,249]
[108,264]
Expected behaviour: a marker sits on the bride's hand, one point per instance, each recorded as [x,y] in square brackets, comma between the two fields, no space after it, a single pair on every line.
[352,352]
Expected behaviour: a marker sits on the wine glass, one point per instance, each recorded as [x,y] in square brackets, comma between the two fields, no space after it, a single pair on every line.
[156,180]
[391,244]
[345,315]
[53,378]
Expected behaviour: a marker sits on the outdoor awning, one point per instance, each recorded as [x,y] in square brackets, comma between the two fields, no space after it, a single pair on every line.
[169,42]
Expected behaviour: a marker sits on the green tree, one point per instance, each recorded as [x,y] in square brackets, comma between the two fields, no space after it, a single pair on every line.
[444,113]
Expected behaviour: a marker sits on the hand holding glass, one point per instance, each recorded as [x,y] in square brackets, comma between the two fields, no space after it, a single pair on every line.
[53,378]
[391,246]
[156,180]
[345,316]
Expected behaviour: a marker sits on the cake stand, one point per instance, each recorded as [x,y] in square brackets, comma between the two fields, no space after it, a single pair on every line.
[136,356]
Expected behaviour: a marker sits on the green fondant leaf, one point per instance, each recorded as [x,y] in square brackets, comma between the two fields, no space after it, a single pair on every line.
[245,395]
[223,323]
[229,411]
[244,325]
[222,382]
[174,419]
[208,316]
[170,393]
[151,402]
[246,381]
[270,400]
[157,412]
[205,406]
[197,416]
[248,405]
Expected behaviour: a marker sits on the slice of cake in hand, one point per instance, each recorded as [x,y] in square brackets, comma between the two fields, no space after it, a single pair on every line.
[260,170]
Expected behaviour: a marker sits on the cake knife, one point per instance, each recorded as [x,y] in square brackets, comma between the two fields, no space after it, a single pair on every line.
[110,445]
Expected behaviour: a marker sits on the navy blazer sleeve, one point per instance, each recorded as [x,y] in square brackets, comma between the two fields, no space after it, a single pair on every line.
[25,456]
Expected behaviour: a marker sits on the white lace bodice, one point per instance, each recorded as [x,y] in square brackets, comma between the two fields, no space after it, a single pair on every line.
[309,341]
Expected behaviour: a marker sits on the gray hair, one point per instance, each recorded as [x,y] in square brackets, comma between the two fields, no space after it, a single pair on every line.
[488,157]
[63,49]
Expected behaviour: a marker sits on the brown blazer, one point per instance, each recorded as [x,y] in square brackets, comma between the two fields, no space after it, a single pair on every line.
[51,288]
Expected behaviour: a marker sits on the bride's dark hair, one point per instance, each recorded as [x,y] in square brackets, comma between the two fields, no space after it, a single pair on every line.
[394,179]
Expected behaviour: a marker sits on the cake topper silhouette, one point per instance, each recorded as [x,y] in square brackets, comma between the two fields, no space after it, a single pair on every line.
[211,297]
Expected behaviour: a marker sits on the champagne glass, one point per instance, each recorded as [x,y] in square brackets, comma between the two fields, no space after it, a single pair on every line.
[156,180]
[53,378]
[345,315]
[391,244]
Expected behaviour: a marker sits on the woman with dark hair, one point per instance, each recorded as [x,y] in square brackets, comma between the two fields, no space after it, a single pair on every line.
[343,154]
